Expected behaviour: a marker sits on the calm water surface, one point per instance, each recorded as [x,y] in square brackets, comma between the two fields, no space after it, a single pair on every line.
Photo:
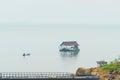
[43,43]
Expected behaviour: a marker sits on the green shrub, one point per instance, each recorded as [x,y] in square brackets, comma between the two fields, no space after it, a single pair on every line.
[111,66]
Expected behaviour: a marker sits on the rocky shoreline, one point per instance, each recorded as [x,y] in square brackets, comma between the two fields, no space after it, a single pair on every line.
[104,75]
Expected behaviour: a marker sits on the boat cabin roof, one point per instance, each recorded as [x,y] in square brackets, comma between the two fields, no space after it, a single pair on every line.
[69,43]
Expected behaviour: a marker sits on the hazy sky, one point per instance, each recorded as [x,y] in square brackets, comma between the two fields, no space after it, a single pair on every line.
[75,12]
[43,44]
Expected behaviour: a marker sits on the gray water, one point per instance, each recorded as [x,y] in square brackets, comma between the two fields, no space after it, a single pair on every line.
[95,44]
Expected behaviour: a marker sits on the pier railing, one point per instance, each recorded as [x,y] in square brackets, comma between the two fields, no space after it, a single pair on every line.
[35,75]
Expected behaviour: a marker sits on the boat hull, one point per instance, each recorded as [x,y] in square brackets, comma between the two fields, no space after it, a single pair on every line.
[65,49]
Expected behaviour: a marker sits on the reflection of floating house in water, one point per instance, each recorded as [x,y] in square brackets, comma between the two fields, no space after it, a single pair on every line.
[69,46]
[69,53]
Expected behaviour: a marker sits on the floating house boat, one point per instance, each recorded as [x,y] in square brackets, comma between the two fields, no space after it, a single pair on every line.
[69,46]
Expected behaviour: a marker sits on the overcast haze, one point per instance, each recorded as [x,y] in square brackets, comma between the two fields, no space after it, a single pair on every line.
[40,26]
[79,12]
